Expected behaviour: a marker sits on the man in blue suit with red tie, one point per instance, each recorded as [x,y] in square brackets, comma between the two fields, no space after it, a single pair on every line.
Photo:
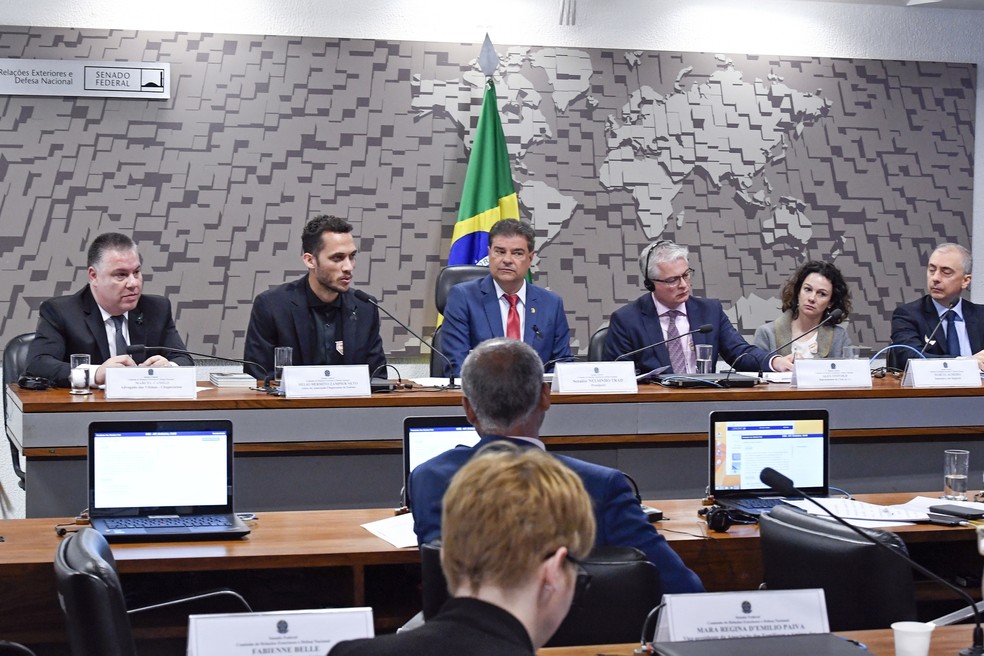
[505,398]
[669,311]
[502,304]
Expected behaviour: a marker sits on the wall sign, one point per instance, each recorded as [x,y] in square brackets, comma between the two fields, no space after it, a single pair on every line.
[56,77]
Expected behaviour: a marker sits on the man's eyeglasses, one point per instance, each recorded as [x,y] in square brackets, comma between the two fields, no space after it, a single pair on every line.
[675,280]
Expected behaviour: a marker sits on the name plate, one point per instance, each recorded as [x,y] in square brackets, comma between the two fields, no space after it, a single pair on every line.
[825,374]
[326,381]
[594,378]
[942,372]
[288,632]
[718,615]
[150,383]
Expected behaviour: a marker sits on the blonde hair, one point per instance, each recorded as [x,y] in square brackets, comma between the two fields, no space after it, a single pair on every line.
[508,509]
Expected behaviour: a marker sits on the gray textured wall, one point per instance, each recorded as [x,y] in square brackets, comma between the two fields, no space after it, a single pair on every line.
[758,162]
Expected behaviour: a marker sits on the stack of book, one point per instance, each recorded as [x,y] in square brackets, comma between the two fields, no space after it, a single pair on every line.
[220,379]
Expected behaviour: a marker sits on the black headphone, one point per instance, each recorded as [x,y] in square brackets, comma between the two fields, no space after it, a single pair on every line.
[721,519]
[646,282]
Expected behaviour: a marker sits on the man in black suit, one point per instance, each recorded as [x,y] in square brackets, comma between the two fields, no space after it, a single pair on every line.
[104,317]
[317,315]
[940,322]
[510,563]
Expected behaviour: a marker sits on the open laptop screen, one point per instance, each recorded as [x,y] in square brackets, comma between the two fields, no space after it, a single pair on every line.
[426,437]
[793,442]
[141,466]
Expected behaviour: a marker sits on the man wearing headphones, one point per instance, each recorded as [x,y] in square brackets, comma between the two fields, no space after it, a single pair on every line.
[668,311]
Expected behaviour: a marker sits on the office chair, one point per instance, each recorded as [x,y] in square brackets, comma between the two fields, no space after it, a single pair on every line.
[865,586]
[14,365]
[446,279]
[624,588]
[596,345]
[14,649]
[91,597]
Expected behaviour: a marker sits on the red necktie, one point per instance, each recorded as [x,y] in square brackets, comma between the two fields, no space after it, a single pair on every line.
[512,319]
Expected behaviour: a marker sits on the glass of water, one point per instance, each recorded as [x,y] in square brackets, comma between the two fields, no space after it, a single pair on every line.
[956,464]
[283,356]
[78,374]
[704,364]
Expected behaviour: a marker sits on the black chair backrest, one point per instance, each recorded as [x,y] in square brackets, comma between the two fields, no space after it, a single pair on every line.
[91,597]
[865,586]
[446,279]
[596,345]
[624,588]
[14,362]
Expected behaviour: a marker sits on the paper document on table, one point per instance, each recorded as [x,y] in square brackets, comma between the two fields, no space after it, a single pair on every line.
[785,377]
[860,513]
[397,530]
[438,381]
[922,504]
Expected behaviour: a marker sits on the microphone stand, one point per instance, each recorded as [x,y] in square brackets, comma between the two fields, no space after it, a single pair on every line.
[784,486]
[366,298]
[949,309]
[833,316]
[706,328]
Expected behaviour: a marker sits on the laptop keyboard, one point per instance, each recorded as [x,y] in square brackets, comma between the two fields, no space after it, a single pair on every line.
[196,521]
[760,504]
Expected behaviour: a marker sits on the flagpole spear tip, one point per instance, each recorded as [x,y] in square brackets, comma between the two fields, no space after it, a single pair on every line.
[488,58]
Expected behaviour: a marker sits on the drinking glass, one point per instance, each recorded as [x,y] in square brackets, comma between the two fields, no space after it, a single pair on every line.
[852,352]
[78,374]
[704,358]
[956,464]
[283,356]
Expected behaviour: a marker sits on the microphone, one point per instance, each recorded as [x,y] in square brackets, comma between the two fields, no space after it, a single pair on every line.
[784,486]
[566,358]
[834,315]
[139,353]
[929,340]
[366,298]
[706,328]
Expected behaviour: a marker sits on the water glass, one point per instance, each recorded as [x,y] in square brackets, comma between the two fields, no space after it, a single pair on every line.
[78,374]
[956,465]
[852,352]
[283,356]
[704,364]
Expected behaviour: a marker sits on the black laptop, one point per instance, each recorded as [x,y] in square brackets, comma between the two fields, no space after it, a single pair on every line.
[426,437]
[162,480]
[743,442]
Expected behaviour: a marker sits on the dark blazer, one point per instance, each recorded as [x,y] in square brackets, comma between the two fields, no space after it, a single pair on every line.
[74,324]
[472,315]
[912,324]
[635,325]
[463,626]
[618,515]
[281,317]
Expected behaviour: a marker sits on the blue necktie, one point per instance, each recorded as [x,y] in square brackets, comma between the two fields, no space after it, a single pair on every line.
[952,342]
[120,341]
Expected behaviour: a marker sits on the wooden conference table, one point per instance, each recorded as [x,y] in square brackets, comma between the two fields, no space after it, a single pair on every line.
[311,559]
[946,641]
[298,454]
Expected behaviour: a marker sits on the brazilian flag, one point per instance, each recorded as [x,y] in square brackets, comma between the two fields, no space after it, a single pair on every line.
[489,194]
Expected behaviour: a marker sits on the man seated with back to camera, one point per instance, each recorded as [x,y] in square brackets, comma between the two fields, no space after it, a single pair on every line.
[669,309]
[110,313]
[505,398]
[511,566]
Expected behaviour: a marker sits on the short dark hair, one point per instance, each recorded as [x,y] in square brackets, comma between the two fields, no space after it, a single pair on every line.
[513,228]
[311,239]
[108,241]
[840,295]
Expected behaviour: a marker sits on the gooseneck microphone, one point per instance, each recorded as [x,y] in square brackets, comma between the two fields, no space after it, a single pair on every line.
[706,328]
[139,353]
[929,340]
[834,315]
[784,486]
[366,298]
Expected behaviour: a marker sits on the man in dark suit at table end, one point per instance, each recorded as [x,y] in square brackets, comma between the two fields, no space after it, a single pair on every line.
[502,304]
[103,318]
[505,399]
[668,310]
[959,330]
[317,315]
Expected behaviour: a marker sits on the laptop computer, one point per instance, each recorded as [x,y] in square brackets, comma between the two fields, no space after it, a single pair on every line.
[426,437]
[744,442]
[162,480]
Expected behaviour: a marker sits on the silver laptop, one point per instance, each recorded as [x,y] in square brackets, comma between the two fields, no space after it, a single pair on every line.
[162,480]
[426,437]
[743,442]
